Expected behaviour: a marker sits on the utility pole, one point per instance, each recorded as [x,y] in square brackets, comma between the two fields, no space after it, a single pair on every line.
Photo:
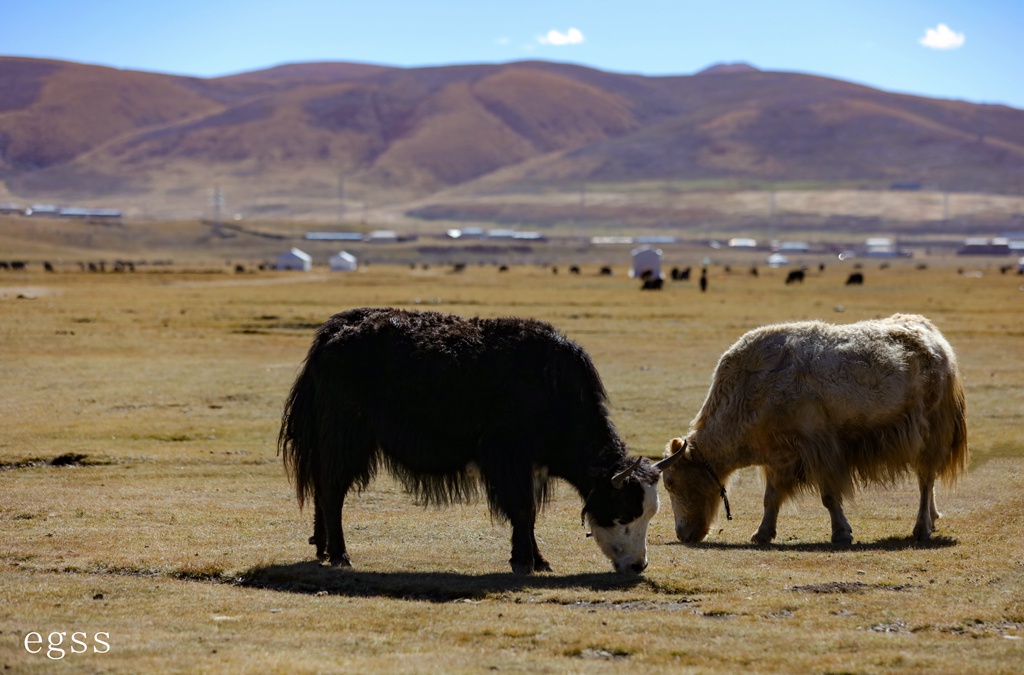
[341,197]
[217,201]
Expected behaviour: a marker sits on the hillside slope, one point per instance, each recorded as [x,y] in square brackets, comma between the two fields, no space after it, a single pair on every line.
[336,135]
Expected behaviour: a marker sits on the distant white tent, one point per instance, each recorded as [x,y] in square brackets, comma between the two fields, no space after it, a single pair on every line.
[646,259]
[294,260]
[343,261]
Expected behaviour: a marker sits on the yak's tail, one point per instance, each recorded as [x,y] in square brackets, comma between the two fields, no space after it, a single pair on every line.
[297,441]
[955,414]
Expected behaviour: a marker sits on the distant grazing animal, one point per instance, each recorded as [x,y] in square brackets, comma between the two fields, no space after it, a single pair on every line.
[703,280]
[855,279]
[650,284]
[445,404]
[606,271]
[824,407]
[680,274]
[574,270]
[794,276]
[48,266]
[503,268]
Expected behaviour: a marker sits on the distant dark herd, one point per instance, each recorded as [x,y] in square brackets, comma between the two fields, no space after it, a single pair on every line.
[648,280]
[98,267]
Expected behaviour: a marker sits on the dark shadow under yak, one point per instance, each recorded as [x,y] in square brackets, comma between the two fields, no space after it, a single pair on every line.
[449,404]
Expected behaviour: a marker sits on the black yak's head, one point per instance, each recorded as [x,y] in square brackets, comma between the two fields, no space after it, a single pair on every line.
[618,512]
[694,493]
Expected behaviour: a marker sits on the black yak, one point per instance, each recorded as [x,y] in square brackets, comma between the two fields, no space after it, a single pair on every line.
[825,407]
[447,404]
[795,276]
[650,284]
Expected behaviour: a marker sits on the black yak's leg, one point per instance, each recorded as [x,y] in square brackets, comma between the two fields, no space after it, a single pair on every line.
[330,504]
[842,533]
[319,538]
[511,492]
[523,543]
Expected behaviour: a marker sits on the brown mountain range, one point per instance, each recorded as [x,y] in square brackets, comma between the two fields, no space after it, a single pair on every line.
[343,133]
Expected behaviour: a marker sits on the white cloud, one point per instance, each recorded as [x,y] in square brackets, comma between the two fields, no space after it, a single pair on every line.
[558,39]
[941,37]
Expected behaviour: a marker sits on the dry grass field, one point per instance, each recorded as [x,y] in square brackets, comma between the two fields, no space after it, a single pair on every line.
[170,541]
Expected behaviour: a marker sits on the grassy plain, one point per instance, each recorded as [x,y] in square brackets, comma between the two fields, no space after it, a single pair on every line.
[178,537]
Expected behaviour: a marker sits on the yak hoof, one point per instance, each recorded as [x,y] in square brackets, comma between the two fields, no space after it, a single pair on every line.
[521,569]
[842,539]
[922,534]
[541,565]
[762,538]
[321,549]
[341,561]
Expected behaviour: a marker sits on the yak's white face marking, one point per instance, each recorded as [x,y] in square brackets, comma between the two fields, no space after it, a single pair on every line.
[625,544]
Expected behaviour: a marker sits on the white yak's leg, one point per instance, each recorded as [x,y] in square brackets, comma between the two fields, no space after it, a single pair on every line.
[772,502]
[926,512]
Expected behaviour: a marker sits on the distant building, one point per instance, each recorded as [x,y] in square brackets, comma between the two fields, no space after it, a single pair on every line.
[610,240]
[881,247]
[777,260]
[334,236]
[646,259]
[529,236]
[294,260]
[742,242]
[43,211]
[501,234]
[81,212]
[382,237]
[794,247]
[985,246]
[343,261]
[10,208]
[466,233]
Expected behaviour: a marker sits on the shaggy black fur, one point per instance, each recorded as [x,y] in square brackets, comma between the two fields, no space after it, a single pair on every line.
[428,395]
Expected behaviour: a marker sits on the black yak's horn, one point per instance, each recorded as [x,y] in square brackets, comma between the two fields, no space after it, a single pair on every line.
[620,478]
[663,464]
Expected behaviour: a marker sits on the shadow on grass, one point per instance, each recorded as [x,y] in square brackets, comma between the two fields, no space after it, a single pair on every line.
[887,544]
[313,578]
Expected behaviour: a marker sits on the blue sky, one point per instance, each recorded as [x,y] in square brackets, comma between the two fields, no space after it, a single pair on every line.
[973,52]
